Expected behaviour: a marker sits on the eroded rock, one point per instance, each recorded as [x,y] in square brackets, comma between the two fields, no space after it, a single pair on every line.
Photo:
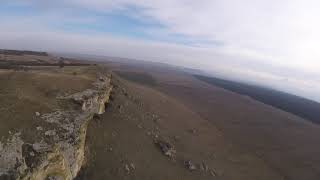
[93,100]
[189,165]
[64,156]
[37,114]
[213,173]
[126,167]
[50,133]
[129,168]
[166,148]
[11,160]
[204,167]
[39,128]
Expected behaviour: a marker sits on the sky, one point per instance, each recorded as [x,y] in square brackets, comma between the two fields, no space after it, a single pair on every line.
[267,42]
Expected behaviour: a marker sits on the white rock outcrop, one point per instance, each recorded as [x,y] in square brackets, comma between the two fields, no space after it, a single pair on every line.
[63,158]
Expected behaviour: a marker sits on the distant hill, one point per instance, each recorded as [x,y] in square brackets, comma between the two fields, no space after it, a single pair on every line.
[299,106]
[20,53]
[19,60]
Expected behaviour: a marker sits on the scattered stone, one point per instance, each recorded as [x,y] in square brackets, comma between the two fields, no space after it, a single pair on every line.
[41,147]
[166,148]
[204,167]
[201,167]
[213,173]
[189,165]
[132,166]
[37,114]
[50,133]
[126,167]
[109,149]
[192,131]
[140,126]
[149,133]
[129,168]
[101,79]
[39,128]
[114,134]
[32,153]
[55,177]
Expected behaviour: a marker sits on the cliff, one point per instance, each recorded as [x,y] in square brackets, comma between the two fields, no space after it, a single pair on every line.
[61,154]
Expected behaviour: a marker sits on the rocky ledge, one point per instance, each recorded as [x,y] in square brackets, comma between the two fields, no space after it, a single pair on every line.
[59,153]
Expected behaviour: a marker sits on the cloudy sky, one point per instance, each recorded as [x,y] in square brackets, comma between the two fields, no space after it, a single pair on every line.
[270,42]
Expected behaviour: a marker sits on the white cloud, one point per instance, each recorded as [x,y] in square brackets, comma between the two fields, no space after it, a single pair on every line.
[264,41]
[284,32]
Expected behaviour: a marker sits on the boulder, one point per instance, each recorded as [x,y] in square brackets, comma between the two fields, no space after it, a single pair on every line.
[189,165]
[166,148]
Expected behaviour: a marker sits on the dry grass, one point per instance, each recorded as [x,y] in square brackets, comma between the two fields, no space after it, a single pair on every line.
[24,93]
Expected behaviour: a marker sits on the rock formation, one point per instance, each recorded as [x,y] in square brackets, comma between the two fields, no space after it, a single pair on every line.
[62,154]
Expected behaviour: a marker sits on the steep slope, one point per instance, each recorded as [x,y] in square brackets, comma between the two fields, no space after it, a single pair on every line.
[146,134]
[286,143]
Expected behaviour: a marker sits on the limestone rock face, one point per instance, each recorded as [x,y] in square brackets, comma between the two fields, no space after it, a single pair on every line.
[93,100]
[11,155]
[64,156]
